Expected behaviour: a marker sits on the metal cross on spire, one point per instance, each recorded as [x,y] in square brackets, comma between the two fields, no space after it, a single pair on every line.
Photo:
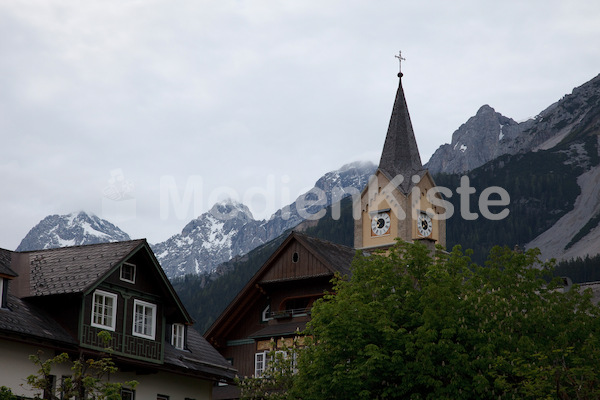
[400,58]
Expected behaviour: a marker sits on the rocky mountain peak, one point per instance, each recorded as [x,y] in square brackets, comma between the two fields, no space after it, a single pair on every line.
[231,209]
[73,229]
[347,175]
[489,134]
[228,229]
[485,109]
[477,141]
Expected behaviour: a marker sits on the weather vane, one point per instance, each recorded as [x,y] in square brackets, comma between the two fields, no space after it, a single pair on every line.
[400,58]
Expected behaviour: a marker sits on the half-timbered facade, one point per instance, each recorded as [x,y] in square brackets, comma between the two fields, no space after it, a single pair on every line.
[61,299]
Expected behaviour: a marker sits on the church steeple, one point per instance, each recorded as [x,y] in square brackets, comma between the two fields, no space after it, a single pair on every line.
[400,155]
[397,202]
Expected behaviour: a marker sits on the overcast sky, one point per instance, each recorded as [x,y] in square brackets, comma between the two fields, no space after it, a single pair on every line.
[145,112]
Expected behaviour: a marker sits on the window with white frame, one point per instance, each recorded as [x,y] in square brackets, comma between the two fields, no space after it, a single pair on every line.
[127,394]
[263,359]
[128,272]
[104,310]
[144,319]
[178,336]
[260,363]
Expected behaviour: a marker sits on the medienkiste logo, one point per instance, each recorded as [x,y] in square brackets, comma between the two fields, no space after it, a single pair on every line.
[188,200]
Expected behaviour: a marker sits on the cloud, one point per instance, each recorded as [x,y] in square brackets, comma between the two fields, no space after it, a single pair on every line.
[245,93]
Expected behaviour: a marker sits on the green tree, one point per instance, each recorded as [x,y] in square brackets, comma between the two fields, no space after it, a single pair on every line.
[6,394]
[90,378]
[409,325]
[277,378]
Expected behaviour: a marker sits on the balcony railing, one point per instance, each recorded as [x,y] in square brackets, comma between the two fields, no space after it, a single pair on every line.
[124,344]
[295,312]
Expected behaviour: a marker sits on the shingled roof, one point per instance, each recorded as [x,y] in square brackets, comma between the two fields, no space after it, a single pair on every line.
[400,155]
[199,356]
[25,320]
[74,269]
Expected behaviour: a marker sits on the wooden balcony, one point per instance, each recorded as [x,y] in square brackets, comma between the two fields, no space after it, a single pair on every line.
[124,345]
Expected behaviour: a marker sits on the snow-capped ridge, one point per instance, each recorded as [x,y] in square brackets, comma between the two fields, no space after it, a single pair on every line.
[74,229]
[228,229]
[229,208]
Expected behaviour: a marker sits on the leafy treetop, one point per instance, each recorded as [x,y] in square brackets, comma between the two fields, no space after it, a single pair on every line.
[412,325]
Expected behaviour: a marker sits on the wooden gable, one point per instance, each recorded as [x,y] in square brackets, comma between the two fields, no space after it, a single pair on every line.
[295,261]
[298,258]
[150,280]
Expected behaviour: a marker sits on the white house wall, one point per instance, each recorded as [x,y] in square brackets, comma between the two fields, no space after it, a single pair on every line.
[16,367]
[177,387]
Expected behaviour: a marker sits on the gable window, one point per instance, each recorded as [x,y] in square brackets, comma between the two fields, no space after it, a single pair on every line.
[128,272]
[178,336]
[144,319]
[104,310]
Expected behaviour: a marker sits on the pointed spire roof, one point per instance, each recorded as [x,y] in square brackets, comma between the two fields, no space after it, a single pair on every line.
[400,154]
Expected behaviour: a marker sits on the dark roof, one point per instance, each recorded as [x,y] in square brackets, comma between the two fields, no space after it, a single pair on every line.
[5,257]
[199,356]
[274,331]
[400,155]
[23,319]
[74,269]
[226,392]
[336,256]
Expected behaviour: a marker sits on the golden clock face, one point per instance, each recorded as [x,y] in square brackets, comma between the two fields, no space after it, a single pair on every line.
[424,225]
[380,224]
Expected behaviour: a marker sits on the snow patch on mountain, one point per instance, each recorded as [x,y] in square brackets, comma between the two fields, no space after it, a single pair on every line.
[212,238]
[229,229]
[71,230]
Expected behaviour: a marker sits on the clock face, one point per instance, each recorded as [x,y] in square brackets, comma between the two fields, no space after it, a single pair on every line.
[424,225]
[380,224]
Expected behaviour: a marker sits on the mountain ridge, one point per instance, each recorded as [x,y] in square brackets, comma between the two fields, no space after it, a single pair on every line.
[78,228]
[220,234]
[190,252]
[489,134]
[563,127]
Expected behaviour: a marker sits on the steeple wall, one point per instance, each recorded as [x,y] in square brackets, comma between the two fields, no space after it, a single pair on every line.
[383,196]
